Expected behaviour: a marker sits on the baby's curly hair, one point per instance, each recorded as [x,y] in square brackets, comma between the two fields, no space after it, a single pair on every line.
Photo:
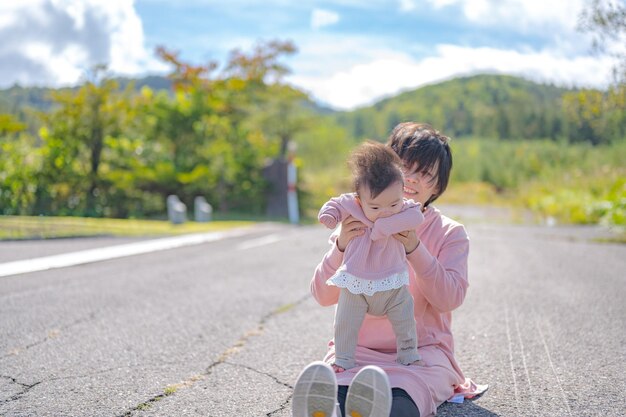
[374,166]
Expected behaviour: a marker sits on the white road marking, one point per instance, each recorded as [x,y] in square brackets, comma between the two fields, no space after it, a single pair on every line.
[523,355]
[558,380]
[253,243]
[112,252]
[508,336]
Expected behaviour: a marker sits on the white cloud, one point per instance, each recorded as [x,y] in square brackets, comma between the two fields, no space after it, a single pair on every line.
[321,18]
[393,72]
[6,20]
[524,15]
[324,54]
[55,42]
[442,3]
[407,5]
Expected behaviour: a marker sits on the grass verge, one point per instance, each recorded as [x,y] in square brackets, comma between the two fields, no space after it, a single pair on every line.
[41,227]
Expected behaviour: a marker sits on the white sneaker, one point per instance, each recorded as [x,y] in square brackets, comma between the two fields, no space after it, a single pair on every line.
[369,394]
[315,393]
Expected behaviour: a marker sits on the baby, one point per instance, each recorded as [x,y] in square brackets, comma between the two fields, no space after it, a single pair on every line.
[374,276]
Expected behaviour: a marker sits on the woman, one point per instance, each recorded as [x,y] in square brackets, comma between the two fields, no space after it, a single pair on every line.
[437,253]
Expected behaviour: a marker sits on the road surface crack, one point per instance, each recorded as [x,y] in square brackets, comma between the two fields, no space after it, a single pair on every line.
[281,408]
[52,334]
[25,388]
[278,381]
[222,359]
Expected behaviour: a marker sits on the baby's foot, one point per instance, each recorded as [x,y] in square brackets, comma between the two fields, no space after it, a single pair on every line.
[338,369]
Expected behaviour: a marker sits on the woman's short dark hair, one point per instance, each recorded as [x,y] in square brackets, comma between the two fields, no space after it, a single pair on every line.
[419,145]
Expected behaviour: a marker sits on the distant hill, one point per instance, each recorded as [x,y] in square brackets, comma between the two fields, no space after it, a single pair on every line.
[155,82]
[17,99]
[496,106]
[491,106]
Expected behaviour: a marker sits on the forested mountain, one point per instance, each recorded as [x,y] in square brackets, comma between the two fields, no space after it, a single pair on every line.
[16,99]
[25,103]
[485,106]
[451,104]
[22,101]
[489,106]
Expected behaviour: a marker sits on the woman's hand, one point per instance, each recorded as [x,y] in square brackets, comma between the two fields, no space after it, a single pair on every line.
[350,228]
[409,239]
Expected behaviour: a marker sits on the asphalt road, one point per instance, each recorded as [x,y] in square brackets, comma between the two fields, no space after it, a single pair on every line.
[223,328]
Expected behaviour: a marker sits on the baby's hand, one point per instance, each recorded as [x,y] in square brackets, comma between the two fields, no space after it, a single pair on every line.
[418,363]
[328,220]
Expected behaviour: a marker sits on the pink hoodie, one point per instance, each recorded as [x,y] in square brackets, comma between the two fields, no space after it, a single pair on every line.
[438,283]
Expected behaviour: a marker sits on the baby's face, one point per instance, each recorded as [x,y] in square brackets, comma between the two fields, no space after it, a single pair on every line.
[385,204]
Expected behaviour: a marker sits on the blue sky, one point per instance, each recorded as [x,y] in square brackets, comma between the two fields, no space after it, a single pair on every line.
[351,53]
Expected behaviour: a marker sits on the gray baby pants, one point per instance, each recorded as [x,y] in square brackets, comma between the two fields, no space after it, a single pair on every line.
[396,304]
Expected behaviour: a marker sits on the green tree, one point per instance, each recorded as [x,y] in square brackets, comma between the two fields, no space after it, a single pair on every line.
[279,112]
[19,163]
[602,117]
[274,107]
[9,125]
[606,20]
[74,137]
[218,128]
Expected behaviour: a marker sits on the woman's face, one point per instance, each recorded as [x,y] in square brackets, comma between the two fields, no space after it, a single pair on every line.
[420,185]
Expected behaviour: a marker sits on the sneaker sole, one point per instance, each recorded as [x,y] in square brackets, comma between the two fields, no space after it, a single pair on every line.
[315,392]
[369,394]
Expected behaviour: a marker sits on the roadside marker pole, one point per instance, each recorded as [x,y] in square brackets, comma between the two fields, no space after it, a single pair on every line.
[292,193]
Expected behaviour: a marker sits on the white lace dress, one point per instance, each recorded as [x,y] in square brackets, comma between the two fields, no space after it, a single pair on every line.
[343,279]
